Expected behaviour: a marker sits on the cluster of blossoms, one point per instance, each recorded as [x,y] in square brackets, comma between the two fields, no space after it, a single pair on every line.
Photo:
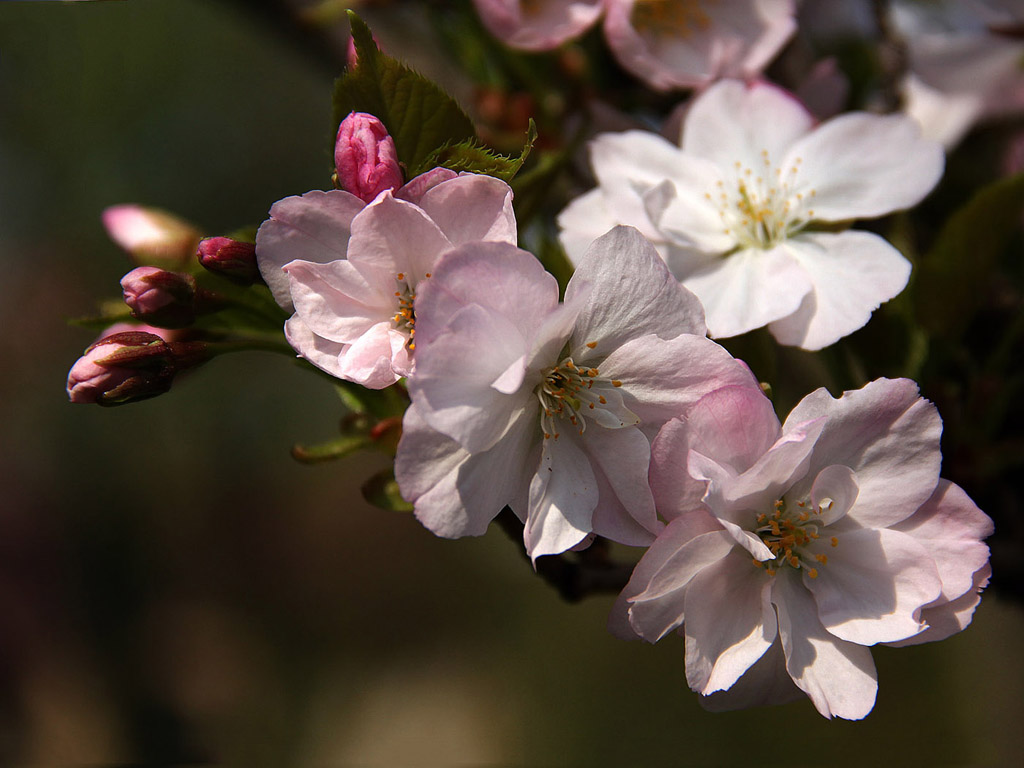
[780,553]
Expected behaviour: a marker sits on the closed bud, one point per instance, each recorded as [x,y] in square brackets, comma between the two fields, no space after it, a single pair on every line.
[151,236]
[233,259]
[161,298]
[130,366]
[365,157]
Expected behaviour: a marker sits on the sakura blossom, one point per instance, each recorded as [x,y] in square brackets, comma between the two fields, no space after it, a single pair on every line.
[791,549]
[350,270]
[744,210]
[548,408]
[666,43]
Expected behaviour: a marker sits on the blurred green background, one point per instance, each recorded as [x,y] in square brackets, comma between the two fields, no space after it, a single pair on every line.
[174,588]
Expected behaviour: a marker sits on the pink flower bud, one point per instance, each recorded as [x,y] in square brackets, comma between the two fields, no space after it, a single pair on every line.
[129,366]
[229,258]
[150,235]
[159,297]
[365,157]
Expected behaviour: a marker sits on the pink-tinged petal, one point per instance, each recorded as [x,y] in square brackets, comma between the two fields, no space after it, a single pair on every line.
[377,359]
[736,425]
[942,117]
[838,676]
[506,280]
[873,586]
[563,495]
[730,622]
[416,188]
[749,289]
[632,295]
[395,236]
[727,38]
[477,346]
[852,274]
[458,494]
[884,430]
[733,121]
[583,221]
[951,527]
[472,207]
[662,378]
[765,684]
[669,541]
[538,25]
[314,227]
[336,301]
[861,166]
[659,608]
[623,457]
[948,618]
[629,165]
[833,494]
[322,353]
[612,519]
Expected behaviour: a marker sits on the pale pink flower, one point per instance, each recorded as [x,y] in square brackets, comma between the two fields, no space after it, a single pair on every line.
[734,210]
[351,271]
[151,235]
[538,25]
[690,43]
[792,549]
[548,408]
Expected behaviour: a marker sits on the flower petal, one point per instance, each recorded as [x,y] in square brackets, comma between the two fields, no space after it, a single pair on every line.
[749,289]
[623,457]
[948,618]
[874,585]
[838,676]
[882,431]
[322,353]
[472,207]
[336,301]
[563,495]
[583,221]
[764,684]
[314,227]
[852,273]
[377,359]
[861,166]
[730,622]
[538,26]
[632,295]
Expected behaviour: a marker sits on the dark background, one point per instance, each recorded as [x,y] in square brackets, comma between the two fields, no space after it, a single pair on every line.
[174,588]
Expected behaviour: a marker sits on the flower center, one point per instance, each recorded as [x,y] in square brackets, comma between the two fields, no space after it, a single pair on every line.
[789,533]
[762,207]
[568,391]
[405,317]
[670,18]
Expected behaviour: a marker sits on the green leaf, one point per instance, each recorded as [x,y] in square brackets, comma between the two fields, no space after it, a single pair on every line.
[331,450]
[419,115]
[381,490]
[378,403]
[952,278]
[472,157]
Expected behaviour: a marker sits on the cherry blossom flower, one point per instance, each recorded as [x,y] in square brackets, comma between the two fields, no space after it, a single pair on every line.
[548,408]
[734,210]
[350,271]
[666,43]
[792,549]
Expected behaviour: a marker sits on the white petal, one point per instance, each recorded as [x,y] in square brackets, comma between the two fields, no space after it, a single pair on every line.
[369,359]
[764,684]
[948,618]
[632,294]
[563,495]
[861,166]
[852,273]
[472,207]
[730,622]
[735,122]
[322,353]
[838,676]
[314,227]
[749,289]
[583,221]
[873,586]
[888,435]
[338,302]
[834,493]
[623,457]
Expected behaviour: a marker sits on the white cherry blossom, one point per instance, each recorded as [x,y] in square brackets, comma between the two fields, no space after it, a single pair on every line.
[736,210]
